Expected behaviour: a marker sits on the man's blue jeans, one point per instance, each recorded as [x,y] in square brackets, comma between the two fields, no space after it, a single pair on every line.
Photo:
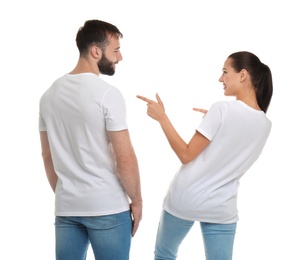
[109,236]
[218,238]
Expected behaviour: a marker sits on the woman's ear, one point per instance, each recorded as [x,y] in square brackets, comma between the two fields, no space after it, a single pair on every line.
[244,74]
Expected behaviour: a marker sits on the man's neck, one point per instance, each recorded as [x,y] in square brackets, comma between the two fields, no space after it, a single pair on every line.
[84,66]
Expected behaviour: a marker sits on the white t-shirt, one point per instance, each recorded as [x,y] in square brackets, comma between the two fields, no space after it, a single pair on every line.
[206,188]
[76,111]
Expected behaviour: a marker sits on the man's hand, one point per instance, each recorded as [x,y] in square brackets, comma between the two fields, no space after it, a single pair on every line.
[136,212]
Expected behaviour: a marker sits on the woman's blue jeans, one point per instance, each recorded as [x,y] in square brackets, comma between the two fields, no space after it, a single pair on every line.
[218,238]
[109,236]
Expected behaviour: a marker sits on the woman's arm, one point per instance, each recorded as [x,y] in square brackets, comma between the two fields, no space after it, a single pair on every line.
[185,152]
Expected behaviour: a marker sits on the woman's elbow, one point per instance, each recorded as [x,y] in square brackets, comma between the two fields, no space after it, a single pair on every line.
[185,159]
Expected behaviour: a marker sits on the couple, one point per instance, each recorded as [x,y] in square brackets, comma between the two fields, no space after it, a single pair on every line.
[92,168]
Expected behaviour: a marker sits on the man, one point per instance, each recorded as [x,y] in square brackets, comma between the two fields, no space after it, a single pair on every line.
[88,157]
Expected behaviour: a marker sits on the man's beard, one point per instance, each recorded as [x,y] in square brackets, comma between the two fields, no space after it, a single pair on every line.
[105,66]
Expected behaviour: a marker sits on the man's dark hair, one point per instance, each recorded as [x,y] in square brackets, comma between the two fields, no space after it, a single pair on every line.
[95,32]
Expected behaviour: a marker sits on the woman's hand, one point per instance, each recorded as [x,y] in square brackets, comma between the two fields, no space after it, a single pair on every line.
[204,111]
[155,110]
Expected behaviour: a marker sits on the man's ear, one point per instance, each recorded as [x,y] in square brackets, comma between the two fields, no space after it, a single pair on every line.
[96,52]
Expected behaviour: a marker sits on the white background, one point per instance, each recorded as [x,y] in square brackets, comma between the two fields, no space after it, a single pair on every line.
[175,48]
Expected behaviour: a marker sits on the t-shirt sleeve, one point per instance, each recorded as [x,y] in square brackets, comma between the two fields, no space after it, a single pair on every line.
[211,122]
[114,109]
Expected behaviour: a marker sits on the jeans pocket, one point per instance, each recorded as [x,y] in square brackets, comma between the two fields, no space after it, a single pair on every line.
[104,222]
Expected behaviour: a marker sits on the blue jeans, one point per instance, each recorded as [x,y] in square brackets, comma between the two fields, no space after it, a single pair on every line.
[109,236]
[218,238]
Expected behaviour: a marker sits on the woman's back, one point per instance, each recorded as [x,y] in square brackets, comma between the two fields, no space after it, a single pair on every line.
[206,188]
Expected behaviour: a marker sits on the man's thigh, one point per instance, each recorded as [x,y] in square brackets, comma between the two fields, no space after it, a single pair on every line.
[110,236]
[71,239]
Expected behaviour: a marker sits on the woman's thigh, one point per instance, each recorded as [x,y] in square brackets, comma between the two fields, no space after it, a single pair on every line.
[218,240]
[171,232]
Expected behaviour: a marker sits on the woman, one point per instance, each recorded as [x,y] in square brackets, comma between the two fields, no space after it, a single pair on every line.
[225,145]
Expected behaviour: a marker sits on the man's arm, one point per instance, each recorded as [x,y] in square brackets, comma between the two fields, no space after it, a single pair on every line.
[47,160]
[128,172]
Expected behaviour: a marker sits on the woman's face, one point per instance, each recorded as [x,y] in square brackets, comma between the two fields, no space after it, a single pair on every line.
[231,79]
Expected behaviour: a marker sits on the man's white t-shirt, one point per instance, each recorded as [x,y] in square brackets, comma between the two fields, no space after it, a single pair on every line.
[206,188]
[76,111]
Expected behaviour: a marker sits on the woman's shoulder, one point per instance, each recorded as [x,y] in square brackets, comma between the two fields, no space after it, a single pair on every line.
[221,104]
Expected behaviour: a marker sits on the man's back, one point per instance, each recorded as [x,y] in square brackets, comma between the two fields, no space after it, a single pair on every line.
[76,112]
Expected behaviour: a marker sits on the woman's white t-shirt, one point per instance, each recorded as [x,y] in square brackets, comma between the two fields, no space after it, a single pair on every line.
[206,188]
